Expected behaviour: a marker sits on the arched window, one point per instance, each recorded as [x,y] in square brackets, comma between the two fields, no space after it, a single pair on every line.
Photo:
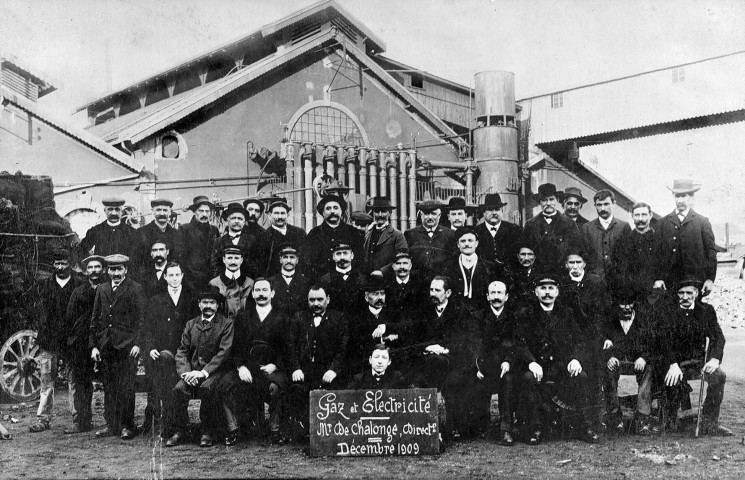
[325,123]
[172,146]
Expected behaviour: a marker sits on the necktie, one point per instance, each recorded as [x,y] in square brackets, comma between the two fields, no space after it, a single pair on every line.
[346,275]
[493,231]
[159,273]
[439,311]
[431,233]
[681,217]
[205,323]
[316,321]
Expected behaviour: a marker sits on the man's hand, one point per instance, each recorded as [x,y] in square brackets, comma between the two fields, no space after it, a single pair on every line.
[711,366]
[505,368]
[154,354]
[707,288]
[269,368]
[659,284]
[479,375]
[245,374]
[640,364]
[537,370]
[674,375]
[298,376]
[607,344]
[135,352]
[391,338]
[613,363]
[435,349]
[329,376]
[574,368]
[192,378]
[95,355]
[378,332]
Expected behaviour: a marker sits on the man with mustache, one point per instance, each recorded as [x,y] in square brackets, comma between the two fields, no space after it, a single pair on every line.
[198,238]
[430,244]
[550,349]
[685,327]
[524,275]
[280,232]
[113,236]
[572,200]
[458,212]
[550,231]
[115,336]
[259,371]
[248,235]
[201,363]
[602,235]
[406,293]
[381,239]
[344,283]
[316,251]
[153,274]
[232,284]
[496,236]
[290,286]
[77,356]
[54,293]
[159,229]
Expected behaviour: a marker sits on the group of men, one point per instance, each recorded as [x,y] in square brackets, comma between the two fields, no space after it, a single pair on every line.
[546,315]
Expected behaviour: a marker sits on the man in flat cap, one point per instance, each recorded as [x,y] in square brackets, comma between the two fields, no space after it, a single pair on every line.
[430,244]
[280,232]
[159,229]
[458,212]
[687,240]
[77,349]
[113,236]
[573,200]
[198,238]
[290,286]
[497,237]
[360,220]
[115,337]
[381,239]
[253,240]
[344,283]
[601,235]
[54,293]
[232,284]
[315,252]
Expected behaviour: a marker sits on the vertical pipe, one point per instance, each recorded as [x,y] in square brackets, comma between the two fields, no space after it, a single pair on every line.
[352,169]
[393,188]
[307,184]
[383,174]
[341,156]
[329,157]
[362,157]
[373,162]
[412,189]
[469,184]
[296,182]
[402,194]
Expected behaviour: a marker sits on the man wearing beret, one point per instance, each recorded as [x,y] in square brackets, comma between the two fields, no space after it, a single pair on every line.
[249,236]
[54,294]
[315,252]
[280,232]
[232,284]
[77,349]
[159,229]
[572,200]
[113,236]
[115,337]
[198,238]
[381,239]
[290,286]
[430,244]
[497,237]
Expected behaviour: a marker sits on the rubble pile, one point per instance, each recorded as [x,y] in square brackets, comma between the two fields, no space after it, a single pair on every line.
[728,298]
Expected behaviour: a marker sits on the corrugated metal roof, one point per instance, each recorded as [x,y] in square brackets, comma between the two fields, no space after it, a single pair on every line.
[45,82]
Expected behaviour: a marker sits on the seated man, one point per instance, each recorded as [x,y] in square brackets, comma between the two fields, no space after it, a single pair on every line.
[378,376]
[201,363]
[686,329]
[626,351]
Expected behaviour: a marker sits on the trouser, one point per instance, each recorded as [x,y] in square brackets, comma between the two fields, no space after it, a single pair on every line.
[80,392]
[643,379]
[252,396]
[673,396]
[118,371]
[163,377]
[557,385]
[212,407]
[298,396]
[491,368]
[48,368]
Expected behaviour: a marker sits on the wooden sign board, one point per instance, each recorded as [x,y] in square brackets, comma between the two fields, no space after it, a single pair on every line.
[357,423]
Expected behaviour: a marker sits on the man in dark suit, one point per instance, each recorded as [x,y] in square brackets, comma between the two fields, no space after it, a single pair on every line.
[551,346]
[198,239]
[290,286]
[113,236]
[572,200]
[524,275]
[168,313]
[233,285]
[497,238]
[601,236]
[280,233]
[687,241]
[382,241]
[470,273]
[406,293]
[379,375]
[159,229]
[550,231]
[153,279]
[430,244]
[344,283]
[315,252]
[249,236]
[115,338]
[458,212]
[684,333]
[201,363]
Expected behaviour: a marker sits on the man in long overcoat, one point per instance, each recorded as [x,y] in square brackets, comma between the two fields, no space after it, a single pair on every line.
[198,238]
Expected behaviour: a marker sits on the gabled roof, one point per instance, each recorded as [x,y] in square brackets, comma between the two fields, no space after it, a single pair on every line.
[46,84]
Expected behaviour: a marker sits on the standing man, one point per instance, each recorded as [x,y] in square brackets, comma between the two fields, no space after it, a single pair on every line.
[602,234]
[497,238]
[638,255]
[525,274]
[458,212]
[687,240]
[280,233]
[258,252]
[232,284]
[116,333]
[160,229]
[77,350]
[290,286]
[382,241]
[198,238]
[344,283]
[469,272]
[315,252]
[112,236]
[54,295]
[360,220]
[573,201]
[430,244]
[251,238]
[406,293]
[153,278]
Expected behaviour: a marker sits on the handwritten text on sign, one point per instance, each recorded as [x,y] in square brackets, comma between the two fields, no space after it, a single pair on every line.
[374,422]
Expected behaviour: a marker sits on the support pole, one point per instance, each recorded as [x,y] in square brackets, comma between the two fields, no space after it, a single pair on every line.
[373,162]
[393,188]
[362,157]
[307,183]
[329,157]
[341,162]
[403,204]
[383,174]
[352,169]
[412,189]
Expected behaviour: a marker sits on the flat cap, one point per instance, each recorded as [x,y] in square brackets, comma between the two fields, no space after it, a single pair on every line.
[428,206]
[339,246]
[160,202]
[402,253]
[361,218]
[94,258]
[287,249]
[281,202]
[113,202]
[116,259]
[234,249]
[546,279]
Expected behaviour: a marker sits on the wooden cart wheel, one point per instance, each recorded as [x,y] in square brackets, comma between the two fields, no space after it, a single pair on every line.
[21,378]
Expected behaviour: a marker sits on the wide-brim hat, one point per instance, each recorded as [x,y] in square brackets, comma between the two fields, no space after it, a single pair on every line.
[689,281]
[200,200]
[546,190]
[491,201]
[330,198]
[684,186]
[94,258]
[234,208]
[379,203]
[257,201]
[572,192]
[428,206]
[278,202]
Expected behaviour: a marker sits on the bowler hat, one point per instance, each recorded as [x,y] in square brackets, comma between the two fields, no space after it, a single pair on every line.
[279,202]
[113,202]
[257,201]
[684,186]
[160,202]
[492,201]
[547,190]
[331,198]
[373,282]
[573,192]
[116,260]
[379,203]
[200,200]
[234,208]
[212,293]
[428,206]
[689,281]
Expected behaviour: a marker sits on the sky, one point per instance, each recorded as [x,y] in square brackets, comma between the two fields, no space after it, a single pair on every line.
[549,44]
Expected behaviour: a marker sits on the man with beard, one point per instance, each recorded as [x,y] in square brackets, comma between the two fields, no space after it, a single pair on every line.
[471,273]
[251,238]
[168,313]
[153,279]
[201,363]
[198,238]
[116,333]
[260,248]
[458,212]
[497,238]
[430,244]
[550,231]
[573,201]
[281,233]
[344,283]
[525,274]
[550,345]
[602,234]
[683,336]
[77,357]
[290,286]
[232,284]
[113,236]
[316,251]
[159,229]
[259,373]
[54,294]
[406,293]
[381,240]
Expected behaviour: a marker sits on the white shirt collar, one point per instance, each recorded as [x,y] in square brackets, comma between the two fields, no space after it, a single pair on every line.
[403,282]
[344,272]
[468,260]
[374,311]
[577,279]
[282,230]
[61,282]
[684,213]
[492,227]
[381,228]
[545,308]
[605,223]
[497,312]
[232,275]
[263,311]
[208,319]
[114,224]
[441,308]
